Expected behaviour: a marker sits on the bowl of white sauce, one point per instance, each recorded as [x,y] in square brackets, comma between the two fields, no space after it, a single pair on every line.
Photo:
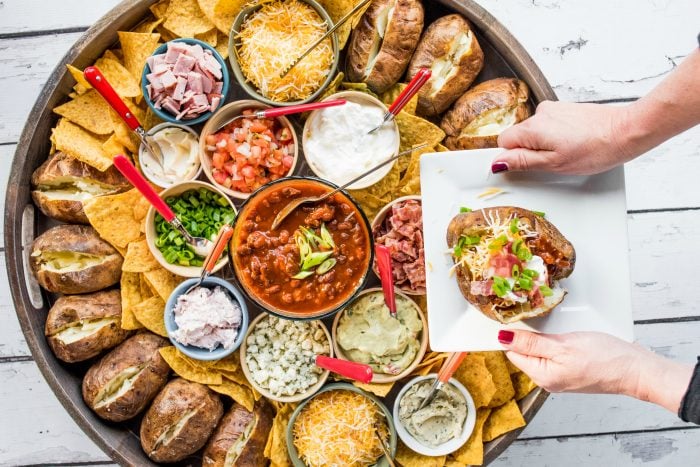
[180,147]
[337,145]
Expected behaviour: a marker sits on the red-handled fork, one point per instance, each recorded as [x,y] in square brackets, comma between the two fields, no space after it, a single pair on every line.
[280,111]
[413,87]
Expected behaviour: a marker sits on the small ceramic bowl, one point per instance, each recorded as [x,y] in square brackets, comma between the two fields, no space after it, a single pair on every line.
[251,89]
[167,116]
[151,235]
[377,222]
[199,353]
[311,158]
[149,172]
[379,377]
[382,462]
[224,114]
[265,392]
[444,448]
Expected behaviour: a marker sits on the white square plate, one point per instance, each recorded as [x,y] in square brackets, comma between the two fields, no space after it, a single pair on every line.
[589,211]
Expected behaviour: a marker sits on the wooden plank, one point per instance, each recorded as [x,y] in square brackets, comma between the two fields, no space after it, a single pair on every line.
[12,344]
[6,154]
[25,16]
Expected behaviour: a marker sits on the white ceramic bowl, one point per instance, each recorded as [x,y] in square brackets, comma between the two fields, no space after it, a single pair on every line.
[445,448]
[151,176]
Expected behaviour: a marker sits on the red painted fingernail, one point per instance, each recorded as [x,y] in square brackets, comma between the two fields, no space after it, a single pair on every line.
[505,337]
[498,167]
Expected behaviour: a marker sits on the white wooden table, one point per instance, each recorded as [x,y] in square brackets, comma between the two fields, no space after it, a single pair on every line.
[591,51]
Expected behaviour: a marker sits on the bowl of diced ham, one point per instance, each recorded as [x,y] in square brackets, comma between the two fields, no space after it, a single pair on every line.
[185,81]
[246,153]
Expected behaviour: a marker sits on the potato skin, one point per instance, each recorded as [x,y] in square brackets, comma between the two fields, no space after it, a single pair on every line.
[507,93]
[230,429]
[435,44]
[72,308]
[400,40]
[178,397]
[139,349]
[549,242]
[78,238]
[62,166]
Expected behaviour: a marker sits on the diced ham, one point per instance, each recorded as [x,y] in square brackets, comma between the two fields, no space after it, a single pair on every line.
[215,102]
[168,79]
[184,65]
[179,91]
[171,106]
[156,82]
[194,82]
[200,100]
[175,49]
[217,88]
[502,264]
[481,287]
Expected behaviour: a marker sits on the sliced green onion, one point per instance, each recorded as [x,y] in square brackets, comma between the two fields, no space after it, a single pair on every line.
[315,259]
[524,282]
[498,242]
[326,266]
[546,291]
[500,286]
[530,273]
[326,238]
[471,240]
[302,275]
[514,226]
[457,251]
[465,209]
[515,271]
[539,213]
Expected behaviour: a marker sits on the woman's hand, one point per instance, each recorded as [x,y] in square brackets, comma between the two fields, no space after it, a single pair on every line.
[592,362]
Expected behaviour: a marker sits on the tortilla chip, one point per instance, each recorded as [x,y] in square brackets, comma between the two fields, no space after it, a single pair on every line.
[225,11]
[276,447]
[222,45]
[142,206]
[113,217]
[207,7]
[211,37]
[410,182]
[113,147]
[160,9]
[147,27]
[81,145]
[138,258]
[472,452]
[337,9]
[145,289]
[163,282]
[408,458]
[370,204]
[131,296]
[415,130]
[150,314]
[502,420]
[122,134]
[390,95]
[183,366]
[453,463]
[119,77]
[77,75]
[359,87]
[237,392]
[137,47]
[474,375]
[185,19]
[523,385]
[230,363]
[441,148]
[496,364]
[387,186]
[88,110]
[378,389]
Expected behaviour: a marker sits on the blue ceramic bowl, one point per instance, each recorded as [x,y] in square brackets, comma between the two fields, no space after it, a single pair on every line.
[199,353]
[167,116]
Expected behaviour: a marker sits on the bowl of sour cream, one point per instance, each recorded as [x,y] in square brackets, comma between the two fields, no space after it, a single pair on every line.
[180,147]
[336,143]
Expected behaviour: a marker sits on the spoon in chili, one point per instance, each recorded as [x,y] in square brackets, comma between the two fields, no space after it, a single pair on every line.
[385,274]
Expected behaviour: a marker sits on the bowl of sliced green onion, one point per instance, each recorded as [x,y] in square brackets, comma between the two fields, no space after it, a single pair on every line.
[202,209]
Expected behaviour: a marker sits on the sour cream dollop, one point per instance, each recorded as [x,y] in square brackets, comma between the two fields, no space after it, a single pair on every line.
[180,157]
[338,148]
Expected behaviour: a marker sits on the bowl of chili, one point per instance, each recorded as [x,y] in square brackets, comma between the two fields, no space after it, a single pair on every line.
[314,263]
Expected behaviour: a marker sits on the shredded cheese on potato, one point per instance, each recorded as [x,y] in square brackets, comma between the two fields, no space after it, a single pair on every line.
[337,428]
[272,38]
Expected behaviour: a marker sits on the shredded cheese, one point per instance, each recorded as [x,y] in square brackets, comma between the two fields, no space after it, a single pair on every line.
[337,428]
[272,38]
[490,193]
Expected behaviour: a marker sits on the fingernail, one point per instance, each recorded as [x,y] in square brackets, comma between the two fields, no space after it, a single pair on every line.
[498,167]
[505,337]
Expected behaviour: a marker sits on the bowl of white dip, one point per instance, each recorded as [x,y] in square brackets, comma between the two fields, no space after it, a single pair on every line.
[337,145]
[180,147]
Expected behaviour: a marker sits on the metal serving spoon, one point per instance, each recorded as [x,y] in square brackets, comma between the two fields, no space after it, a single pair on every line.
[446,371]
[292,205]
[201,246]
[222,239]
[400,102]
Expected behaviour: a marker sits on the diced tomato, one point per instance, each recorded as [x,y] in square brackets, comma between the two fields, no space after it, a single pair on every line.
[257,126]
[248,172]
[218,160]
[287,162]
[230,167]
[284,135]
[219,176]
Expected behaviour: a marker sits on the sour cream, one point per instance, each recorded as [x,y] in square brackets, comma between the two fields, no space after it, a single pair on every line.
[180,147]
[338,148]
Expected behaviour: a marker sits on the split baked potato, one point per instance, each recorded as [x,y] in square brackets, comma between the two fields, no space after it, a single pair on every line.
[451,51]
[383,42]
[239,440]
[79,327]
[484,112]
[122,383]
[180,420]
[73,259]
[62,183]
[509,261]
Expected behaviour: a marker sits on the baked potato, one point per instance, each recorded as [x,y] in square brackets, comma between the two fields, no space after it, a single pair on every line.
[120,385]
[239,440]
[79,327]
[73,259]
[509,262]
[383,42]
[450,50]
[484,112]
[180,420]
[62,183]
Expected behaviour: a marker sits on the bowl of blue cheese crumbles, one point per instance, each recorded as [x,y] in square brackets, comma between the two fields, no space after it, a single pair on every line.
[278,357]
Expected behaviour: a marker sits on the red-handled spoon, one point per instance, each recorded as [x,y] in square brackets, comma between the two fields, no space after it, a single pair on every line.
[225,234]
[446,371]
[385,274]
[201,246]
[413,87]
[97,80]
[353,370]
[280,111]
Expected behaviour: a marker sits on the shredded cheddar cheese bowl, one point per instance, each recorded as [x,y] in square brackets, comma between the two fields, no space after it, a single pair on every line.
[336,427]
[266,38]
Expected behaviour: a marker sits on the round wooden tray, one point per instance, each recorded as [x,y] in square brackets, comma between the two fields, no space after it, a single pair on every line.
[504,56]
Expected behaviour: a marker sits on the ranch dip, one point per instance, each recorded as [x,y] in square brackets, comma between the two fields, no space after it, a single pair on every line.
[180,156]
[338,148]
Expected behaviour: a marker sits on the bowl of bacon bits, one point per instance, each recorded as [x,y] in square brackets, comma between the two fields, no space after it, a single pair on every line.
[185,81]
[241,151]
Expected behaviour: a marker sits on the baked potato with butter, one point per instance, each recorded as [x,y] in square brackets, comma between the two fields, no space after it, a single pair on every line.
[383,42]
[239,440]
[120,385]
[180,420]
[73,259]
[451,51]
[62,183]
[79,327]
[484,112]
[509,262]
